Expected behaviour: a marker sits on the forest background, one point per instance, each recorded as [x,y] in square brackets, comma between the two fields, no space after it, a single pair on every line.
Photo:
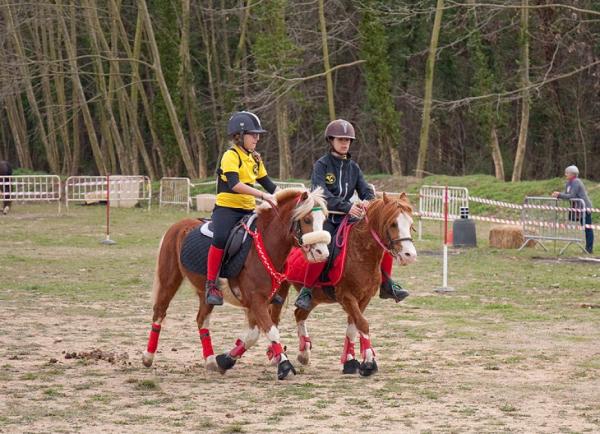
[509,88]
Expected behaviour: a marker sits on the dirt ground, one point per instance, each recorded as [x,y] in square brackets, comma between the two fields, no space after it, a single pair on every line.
[491,357]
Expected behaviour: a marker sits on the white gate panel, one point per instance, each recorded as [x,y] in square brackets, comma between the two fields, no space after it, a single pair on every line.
[124,190]
[550,219]
[431,203]
[30,188]
[175,191]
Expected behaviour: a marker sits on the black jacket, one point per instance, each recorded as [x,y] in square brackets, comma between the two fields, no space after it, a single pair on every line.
[340,178]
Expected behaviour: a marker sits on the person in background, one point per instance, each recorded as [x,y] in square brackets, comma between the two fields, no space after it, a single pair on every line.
[6,170]
[340,177]
[239,168]
[575,189]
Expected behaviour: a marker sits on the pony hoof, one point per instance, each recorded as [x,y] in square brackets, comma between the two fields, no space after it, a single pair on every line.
[147,359]
[211,364]
[284,368]
[351,367]
[304,357]
[225,362]
[367,369]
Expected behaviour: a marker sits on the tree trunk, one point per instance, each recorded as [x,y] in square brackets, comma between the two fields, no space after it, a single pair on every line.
[95,33]
[496,154]
[429,71]
[87,117]
[204,26]
[285,156]
[239,52]
[183,147]
[522,143]
[328,79]
[18,132]
[51,152]
[131,100]
[189,92]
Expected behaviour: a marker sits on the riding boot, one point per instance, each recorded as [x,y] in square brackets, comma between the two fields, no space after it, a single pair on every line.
[304,300]
[213,294]
[391,289]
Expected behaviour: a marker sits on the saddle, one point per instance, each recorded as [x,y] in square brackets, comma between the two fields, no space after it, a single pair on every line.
[194,252]
[296,264]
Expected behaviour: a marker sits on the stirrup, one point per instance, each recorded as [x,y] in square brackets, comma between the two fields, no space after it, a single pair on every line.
[304,300]
[214,295]
[391,289]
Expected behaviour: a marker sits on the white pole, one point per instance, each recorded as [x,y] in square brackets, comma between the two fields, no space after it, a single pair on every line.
[445,287]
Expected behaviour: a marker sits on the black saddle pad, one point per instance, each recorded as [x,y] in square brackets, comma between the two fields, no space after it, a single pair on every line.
[194,253]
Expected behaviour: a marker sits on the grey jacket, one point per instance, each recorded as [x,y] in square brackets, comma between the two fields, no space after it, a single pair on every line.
[574,189]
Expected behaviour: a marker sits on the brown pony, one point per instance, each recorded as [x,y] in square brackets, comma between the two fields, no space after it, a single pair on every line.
[386,227]
[297,219]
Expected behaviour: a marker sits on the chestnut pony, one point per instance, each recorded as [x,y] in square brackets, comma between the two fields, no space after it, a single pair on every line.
[298,219]
[386,227]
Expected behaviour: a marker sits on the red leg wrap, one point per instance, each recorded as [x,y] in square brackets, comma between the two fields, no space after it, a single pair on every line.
[365,344]
[153,339]
[238,350]
[274,350]
[386,265]
[305,342]
[348,350]
[207,349]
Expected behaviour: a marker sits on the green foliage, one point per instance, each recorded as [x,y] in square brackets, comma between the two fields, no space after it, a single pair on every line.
[273,49]
[166,28]
[378,79]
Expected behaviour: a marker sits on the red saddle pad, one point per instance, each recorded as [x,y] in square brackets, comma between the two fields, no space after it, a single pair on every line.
[296,265]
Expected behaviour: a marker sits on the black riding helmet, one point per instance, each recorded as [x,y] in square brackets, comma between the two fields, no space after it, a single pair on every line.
[244,122]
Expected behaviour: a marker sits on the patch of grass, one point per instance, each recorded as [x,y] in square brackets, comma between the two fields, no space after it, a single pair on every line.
[146,385]
[233,428]
[508,408]
[29,376]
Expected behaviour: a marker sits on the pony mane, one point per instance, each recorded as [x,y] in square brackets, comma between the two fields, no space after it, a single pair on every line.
[383,213]
[314,199]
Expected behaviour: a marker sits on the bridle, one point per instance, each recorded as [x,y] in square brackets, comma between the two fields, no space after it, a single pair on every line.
[392,241]
[295,226]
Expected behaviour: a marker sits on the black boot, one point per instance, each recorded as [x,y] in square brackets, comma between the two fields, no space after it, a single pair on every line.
[214,295]
[391,289]
[304,300]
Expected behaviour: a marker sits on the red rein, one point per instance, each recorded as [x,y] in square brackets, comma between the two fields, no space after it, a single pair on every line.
[277,278]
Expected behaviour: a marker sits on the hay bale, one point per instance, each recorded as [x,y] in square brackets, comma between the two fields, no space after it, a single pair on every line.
[506,237]
[205,202]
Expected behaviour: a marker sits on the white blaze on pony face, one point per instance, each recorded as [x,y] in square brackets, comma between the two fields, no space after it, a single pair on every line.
[408,255]
[315,243]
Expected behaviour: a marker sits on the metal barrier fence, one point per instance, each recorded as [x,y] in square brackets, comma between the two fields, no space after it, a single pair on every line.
[30,188]
[545,219]
[175,191]
[431,203]
[283,184]
[125,191]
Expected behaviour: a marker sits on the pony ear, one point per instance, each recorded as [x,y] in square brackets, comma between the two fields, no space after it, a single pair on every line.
[304,196]
[386,199]
[402,196]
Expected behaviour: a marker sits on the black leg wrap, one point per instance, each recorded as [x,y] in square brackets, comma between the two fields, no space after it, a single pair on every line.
[367,368]
[225,361]
[284,368]
[351,367]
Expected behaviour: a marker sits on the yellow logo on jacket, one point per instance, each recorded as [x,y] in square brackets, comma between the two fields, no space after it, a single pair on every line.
[329,178]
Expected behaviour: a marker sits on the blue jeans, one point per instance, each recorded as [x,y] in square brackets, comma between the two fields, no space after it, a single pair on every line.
[589,233]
